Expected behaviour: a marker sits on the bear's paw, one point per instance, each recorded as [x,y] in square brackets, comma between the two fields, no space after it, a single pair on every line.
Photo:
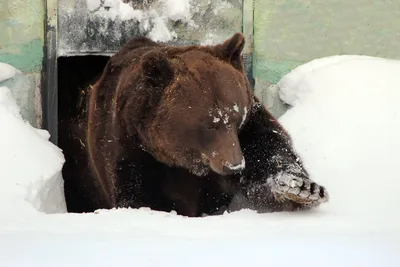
[298,188]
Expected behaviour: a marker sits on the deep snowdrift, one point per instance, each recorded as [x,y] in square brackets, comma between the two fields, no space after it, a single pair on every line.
[345,123]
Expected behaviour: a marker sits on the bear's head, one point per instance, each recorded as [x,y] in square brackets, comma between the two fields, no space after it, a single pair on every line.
[194,102]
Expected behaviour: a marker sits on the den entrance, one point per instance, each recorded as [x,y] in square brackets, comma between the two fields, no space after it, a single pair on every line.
[75,75]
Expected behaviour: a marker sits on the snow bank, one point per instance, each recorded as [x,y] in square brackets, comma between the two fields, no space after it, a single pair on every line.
[345,122]
[7,71]
[29,164]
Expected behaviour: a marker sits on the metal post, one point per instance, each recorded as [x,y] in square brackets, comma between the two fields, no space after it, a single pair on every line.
[49,72]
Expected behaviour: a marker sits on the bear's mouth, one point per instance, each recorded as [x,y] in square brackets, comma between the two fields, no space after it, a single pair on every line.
[200,169]
[200,166]
[221,166]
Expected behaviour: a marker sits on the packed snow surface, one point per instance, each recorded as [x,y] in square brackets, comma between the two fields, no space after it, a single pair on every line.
[345,124]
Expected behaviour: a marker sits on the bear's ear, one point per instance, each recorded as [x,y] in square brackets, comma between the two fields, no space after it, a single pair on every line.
[156,69]
[230,51]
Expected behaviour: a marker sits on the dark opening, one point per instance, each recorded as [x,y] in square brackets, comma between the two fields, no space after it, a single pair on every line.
[75,75]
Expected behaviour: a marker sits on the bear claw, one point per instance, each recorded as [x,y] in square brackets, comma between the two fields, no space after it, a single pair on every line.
[298,189]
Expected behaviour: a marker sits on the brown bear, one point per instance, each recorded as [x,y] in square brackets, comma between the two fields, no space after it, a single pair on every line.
[178,128]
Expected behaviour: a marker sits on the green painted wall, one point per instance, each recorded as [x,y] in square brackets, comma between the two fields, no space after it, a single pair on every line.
[288,33]
[22,33]
[291,32]
[21,45]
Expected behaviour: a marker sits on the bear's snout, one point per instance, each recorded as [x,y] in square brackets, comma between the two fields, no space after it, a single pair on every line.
[229,168]
[225,163]
[224,155]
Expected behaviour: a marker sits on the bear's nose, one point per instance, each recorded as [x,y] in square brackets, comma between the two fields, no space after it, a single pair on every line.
[231,169]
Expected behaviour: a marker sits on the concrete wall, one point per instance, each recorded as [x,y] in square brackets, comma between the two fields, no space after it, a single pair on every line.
[21,45]
[102,28]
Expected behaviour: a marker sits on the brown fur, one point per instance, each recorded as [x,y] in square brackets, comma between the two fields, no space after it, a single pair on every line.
[168,128]
[147,90]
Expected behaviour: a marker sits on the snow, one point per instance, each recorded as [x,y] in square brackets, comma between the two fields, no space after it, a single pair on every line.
[216,120]
[7,71]
[236,107]
[29,165]
[128,13]
[224,116]
[240,166]
[244,117]
[177,9]
[156,15]
[345,125]
[160,31]
[349,137]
